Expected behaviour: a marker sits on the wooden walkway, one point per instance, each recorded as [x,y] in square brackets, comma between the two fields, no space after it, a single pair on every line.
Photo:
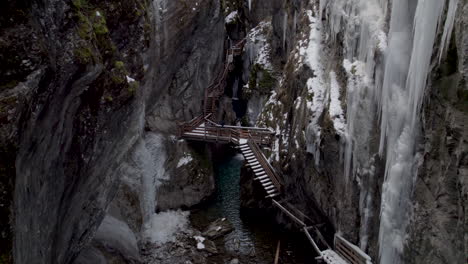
[216,89]
[249,141]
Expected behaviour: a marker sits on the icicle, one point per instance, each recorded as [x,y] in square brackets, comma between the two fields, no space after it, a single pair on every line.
[428,14]
[322,5]
[250,4]
[285,28]
[235,87]
[401,104]
[449,21]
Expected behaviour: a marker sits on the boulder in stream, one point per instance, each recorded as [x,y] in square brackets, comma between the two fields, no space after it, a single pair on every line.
[218,228]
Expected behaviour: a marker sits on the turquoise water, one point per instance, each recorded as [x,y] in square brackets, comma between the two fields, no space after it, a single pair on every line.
[255,236]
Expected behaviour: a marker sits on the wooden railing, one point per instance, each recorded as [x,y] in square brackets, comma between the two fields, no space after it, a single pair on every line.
[216,89]
[190,125]
[265,164]
[350,252]
[262,136]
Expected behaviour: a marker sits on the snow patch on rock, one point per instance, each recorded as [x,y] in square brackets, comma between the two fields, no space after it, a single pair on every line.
[166,225]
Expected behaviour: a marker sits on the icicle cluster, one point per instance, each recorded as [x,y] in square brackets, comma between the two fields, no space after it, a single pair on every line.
[393,87]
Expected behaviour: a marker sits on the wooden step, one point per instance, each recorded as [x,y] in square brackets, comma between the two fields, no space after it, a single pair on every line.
[261,178]
[250,156]
[265,180]
[271,191]
[260,174]
[254,163]
[273,195]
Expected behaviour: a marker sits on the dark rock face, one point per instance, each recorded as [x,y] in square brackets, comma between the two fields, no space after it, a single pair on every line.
[21,54]
[161,172]
[187,55]
[189,183]
[67,148]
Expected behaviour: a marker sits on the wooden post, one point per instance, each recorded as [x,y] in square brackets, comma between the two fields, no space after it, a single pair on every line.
[277,252]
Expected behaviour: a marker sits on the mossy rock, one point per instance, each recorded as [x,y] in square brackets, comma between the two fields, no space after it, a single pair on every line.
[9,85]
[119,65]
[261,79]
[99,23]
[79,4]
[267,82]
[133,87]
[85,55]
[6,258]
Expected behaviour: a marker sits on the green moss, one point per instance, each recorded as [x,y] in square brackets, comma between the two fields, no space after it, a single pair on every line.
[84,55]
[132,87]
[245,121]
[5,258]
[117,78]
[9,85]
[267,82]
[85,28]
[79,3]
[119,65]
[99,24]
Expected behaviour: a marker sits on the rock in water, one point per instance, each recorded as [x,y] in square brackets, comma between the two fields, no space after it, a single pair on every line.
[218,228]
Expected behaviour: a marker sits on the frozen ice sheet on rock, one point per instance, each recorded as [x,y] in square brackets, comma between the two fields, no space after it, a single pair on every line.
[166,225]
[231,17]
[116,235]
[186,159]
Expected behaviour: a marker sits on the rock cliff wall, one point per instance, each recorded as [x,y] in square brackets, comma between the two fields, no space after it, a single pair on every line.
[331,63]
[371,124]
[84,83]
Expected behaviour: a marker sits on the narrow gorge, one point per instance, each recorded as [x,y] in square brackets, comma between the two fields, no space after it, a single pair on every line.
[234,131]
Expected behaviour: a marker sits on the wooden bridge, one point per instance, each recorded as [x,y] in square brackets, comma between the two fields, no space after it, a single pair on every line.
[249,141]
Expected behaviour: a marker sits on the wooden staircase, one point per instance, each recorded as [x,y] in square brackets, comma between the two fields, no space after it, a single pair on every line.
[261,168]
[248,140]
[216,89]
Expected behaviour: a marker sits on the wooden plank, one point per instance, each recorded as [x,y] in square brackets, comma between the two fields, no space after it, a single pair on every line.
[356,251]
[277,252]
[349,253]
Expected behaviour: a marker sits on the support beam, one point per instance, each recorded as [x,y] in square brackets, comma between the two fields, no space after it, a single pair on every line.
[289,214]
[312,240]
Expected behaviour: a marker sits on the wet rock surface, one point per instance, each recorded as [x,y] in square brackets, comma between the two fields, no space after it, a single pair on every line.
[191,246]
[218,228]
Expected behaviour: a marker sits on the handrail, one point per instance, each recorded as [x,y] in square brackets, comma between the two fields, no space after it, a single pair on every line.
[243,127]
[265,164]
[216,88]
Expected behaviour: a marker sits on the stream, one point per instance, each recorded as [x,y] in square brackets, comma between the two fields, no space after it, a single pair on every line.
[255,235]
